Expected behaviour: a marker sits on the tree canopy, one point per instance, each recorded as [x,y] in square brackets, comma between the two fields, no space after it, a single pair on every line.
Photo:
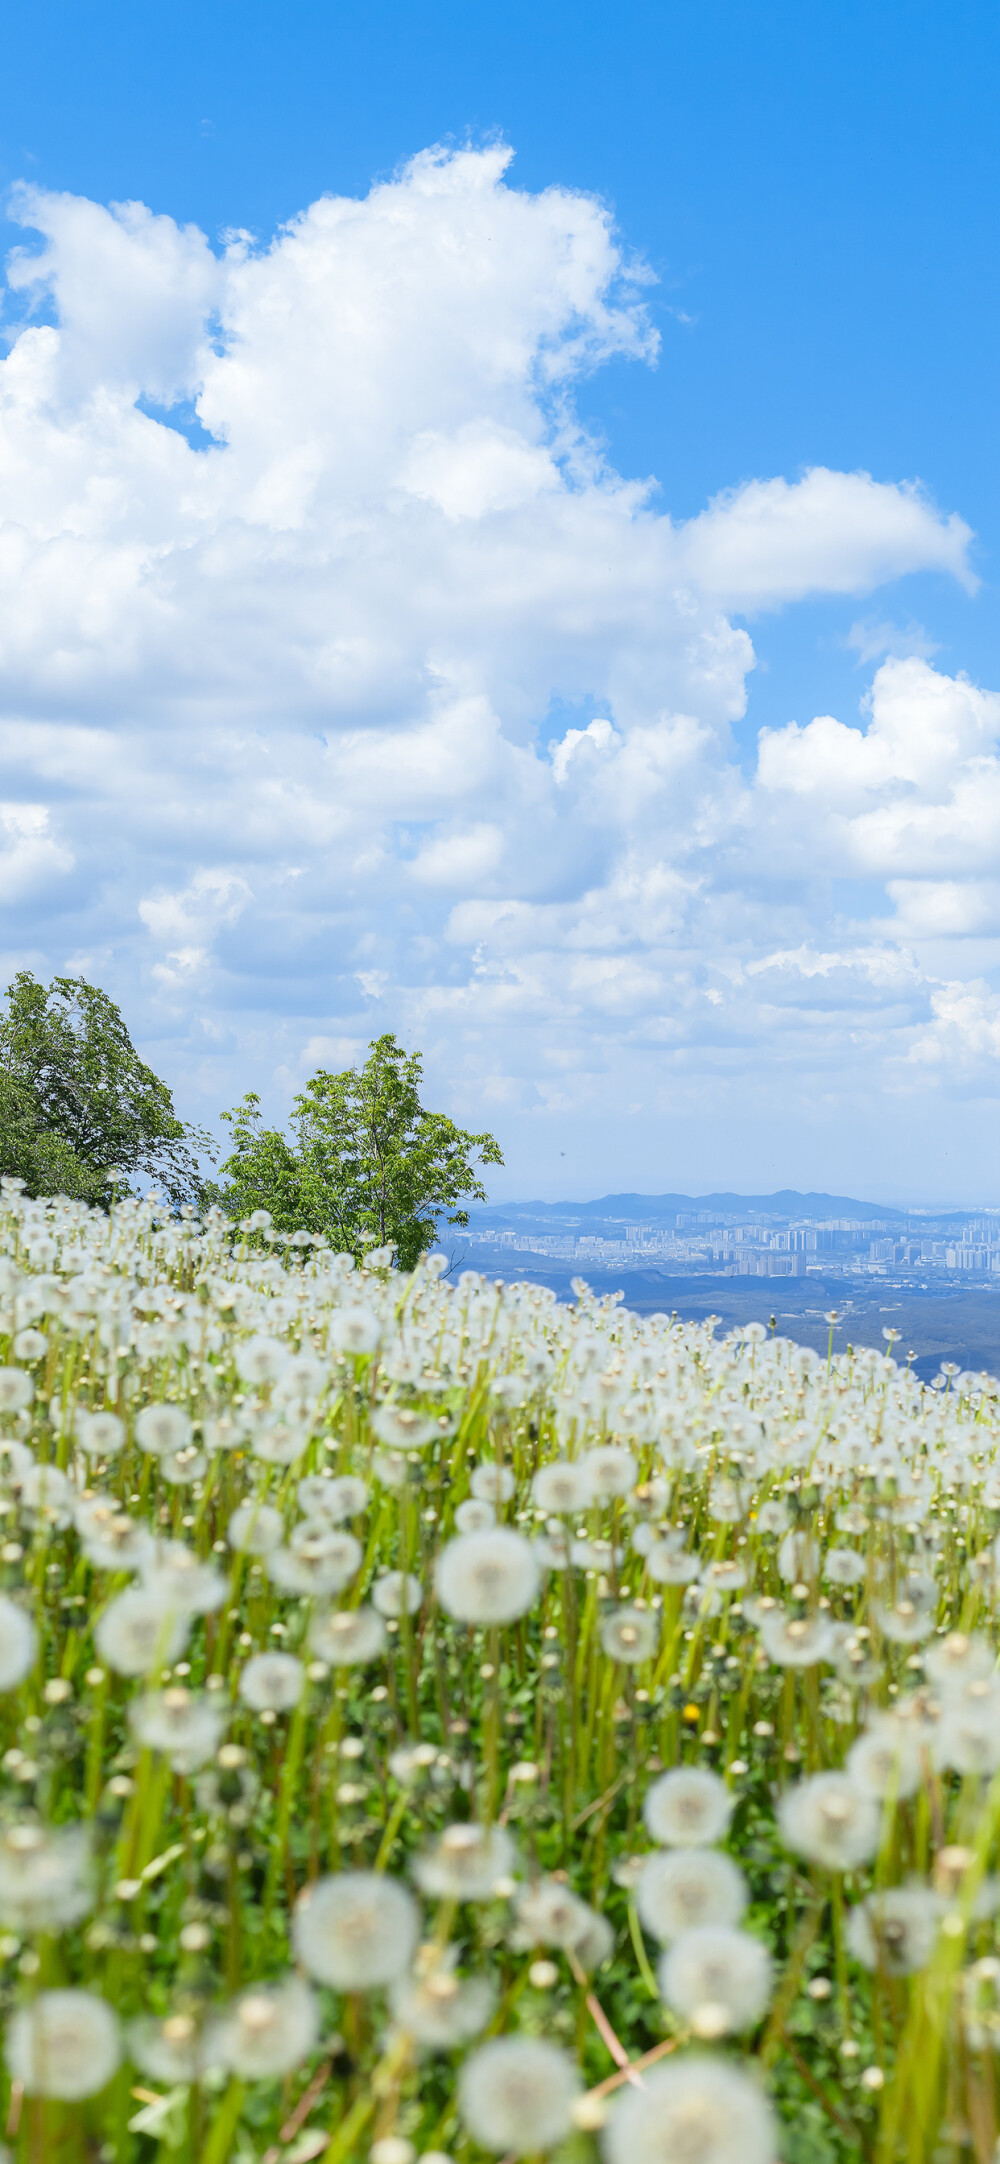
[364,1162]
[78,1104]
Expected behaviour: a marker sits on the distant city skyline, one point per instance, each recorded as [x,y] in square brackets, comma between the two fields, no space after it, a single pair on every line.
[499,542]
[933,1276]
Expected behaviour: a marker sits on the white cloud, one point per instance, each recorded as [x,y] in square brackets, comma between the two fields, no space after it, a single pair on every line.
[30,857]
[133,293]
[964,1035]
[836,533]
[924,730]
[334,1053]
[398,698]
[598,736]
[481,468]
[213,898]
[916,793]
[880,966]
[181,967]
[464,859]
[945,908]
[871,637]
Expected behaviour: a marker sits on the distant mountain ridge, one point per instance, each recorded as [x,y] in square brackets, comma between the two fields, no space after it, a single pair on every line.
[787,1202]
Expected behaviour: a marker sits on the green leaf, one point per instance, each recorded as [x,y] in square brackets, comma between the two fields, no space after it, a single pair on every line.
[365,1164]
[80,1113]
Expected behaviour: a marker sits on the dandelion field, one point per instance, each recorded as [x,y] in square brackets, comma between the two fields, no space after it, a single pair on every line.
[437,1723]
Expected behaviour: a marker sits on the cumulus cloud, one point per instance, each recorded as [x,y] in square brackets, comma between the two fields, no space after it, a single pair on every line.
[916,792]
[836,533]
[133,293]
[30,856]
[342,676]
[964,1033]
[924,730]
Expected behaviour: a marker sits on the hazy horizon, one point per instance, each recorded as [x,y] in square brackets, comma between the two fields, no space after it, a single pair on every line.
[749,1195]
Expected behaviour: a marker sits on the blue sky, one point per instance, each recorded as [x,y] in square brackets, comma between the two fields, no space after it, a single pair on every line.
[733,972]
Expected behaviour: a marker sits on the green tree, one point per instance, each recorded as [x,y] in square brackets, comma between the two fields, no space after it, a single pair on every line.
[77,1102]
[364,1162]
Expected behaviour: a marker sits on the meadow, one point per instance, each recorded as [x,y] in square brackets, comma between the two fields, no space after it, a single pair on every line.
[443,1723]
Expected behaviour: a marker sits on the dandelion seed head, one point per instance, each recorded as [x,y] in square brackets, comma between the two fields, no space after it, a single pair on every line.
[272,1682]
[175,1575]
[715,1965]
[843,1566]
[16,1390]
[610,1471]
[896,1930]
[549,1914]
[402,1428]
[797,1641]
[393,2149]
[397,1593]
[688,1808]
[630,1635]
[687,1887]
[516,2094]
[562,1487]
[64,2044]
[261,1360]
[330,1499]
[967,1737]
[355,1930]
[909,1617]
[490,1577]
[170,2049]
[47,1493]
[44,1876]
[442,2010]
[885,1761]
[668,1565]
[466,1862]
[184,1726]
[474,1515]
[268,2031]
[830,1820]
[277,1441]
[317,1559]
[958,1660]
[30,1344]
[18,1644]
[162,1428]
[255,1529]
[355,1331]
[492,1483]
[699,2110]
[139,1632]
[226,1432]
[347,1636]
[99,1435]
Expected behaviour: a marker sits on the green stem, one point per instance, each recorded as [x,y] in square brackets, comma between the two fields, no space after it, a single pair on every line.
[219,2143]
[638,1942]
[289,1778]
[342,2140]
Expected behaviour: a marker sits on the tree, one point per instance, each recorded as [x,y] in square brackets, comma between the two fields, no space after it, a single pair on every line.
[364,1163]
[77,1103]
